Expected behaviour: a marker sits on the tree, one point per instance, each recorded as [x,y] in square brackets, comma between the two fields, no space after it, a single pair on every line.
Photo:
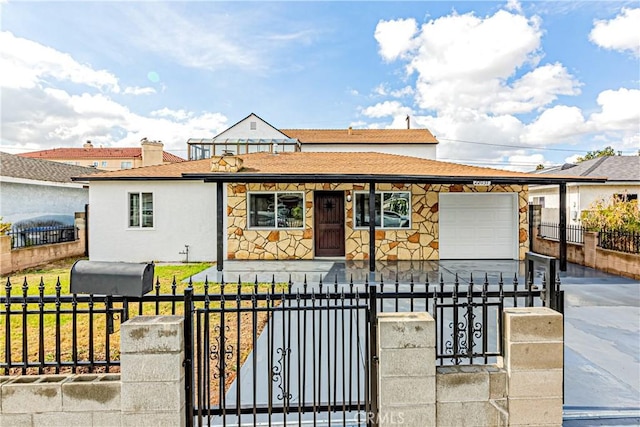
[540,167]
[607,151]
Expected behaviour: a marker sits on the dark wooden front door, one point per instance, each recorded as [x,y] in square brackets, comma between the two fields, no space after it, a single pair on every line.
[329,223]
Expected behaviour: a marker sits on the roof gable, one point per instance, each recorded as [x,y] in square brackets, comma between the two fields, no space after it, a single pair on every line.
[251,126]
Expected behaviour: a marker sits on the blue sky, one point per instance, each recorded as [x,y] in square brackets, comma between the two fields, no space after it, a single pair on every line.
[502,84]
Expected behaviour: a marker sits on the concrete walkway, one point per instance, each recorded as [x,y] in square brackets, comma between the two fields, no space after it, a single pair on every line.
[602,321]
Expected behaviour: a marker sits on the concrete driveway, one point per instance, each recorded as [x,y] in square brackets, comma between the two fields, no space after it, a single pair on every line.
[602,321]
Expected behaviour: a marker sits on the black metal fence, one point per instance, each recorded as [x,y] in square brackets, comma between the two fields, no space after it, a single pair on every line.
[621,241]
[616,240]
[552,231]
[45,235]
[293,353]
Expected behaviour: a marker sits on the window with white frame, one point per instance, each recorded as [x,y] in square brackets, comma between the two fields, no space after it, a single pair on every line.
[104,163]
[140,210]
[126,165]
[276,210]
[394,205]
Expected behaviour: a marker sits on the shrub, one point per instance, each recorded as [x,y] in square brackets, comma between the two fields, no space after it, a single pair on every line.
[613,214]
[4,226]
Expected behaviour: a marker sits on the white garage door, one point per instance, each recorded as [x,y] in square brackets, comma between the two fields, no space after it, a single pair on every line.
[478,226]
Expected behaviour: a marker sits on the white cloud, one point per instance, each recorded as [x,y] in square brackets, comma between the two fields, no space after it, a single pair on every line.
[514,5]
[619,33]
[557,124]
[386,109]
[136,90]
[26,64]
[383,90]
[50,100]
[484,92]
[620,110]
[395,38]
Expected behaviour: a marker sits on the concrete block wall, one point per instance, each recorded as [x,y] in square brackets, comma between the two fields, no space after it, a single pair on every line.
[534,359]
[18,259]
[148,391]
[406,370]
[524,388]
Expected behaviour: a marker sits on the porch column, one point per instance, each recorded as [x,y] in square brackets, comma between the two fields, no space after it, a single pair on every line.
[372,226]
[562,236]
[220,224]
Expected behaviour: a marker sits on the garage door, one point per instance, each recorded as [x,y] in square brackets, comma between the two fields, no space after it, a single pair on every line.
[478,226]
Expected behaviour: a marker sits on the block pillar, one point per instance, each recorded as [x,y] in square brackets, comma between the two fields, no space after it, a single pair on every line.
[406,369]
[152,375]
[534,345]
[590,247]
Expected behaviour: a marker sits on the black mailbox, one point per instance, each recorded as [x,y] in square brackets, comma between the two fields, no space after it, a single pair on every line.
[111,278]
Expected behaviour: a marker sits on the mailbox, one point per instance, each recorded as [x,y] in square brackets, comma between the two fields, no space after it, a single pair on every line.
[111,278]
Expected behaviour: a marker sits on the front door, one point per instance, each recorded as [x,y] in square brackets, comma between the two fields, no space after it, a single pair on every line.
[329,223]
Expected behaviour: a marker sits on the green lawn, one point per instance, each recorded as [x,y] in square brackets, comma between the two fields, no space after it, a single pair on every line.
[43,334]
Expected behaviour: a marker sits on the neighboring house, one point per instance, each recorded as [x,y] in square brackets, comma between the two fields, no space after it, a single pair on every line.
[252,134]
[40,190]
[306,205]
[623,181]
[149,153]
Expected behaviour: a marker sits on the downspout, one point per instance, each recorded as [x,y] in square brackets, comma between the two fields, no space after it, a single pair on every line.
[220,224]
[372,226]
[563,228]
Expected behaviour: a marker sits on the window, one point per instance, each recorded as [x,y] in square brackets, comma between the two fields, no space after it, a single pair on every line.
[539,201]
[276,210]
[141,210]
[104,163]
[625,197]
[252,125]
[94,164]
[126,165]
[395,207]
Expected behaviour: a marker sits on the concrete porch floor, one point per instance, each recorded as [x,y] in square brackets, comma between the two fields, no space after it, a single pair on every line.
[602,320]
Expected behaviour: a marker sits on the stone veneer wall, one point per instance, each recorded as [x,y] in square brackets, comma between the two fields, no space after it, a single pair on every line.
[421,242]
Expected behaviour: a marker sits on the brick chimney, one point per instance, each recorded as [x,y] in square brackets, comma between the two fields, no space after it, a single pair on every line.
[151,152]
[226,164]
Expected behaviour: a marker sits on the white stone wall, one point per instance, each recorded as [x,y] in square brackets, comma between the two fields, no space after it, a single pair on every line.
[184,214]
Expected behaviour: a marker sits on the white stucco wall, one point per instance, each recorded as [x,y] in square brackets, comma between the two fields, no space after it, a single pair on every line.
[243,130]
[22,199]
[184,214]
[423,151]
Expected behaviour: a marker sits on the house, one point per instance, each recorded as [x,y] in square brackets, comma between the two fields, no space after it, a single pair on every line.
[253,134]
[149,153]
[623,181]
[40,190]
[307,205]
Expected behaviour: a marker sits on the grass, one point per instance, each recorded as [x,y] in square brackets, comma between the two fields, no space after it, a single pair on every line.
[90,341]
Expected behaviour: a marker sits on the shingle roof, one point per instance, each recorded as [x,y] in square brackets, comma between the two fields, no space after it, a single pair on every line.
[96,153]
[361,136]
[39,170]
[321,163]
[615,168]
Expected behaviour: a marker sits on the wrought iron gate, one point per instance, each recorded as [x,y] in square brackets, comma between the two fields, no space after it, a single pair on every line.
[300,356]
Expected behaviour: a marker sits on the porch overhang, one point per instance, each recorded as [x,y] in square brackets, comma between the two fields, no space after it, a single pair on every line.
[371,180]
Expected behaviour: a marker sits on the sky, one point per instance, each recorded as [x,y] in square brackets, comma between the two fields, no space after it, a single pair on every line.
[501,84]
